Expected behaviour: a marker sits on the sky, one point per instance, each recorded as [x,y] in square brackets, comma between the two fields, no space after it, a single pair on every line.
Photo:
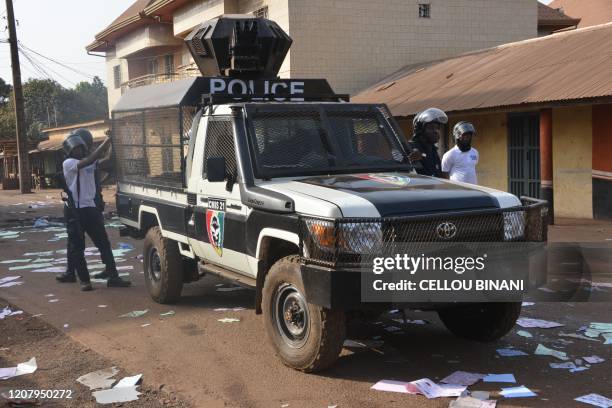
[59,29]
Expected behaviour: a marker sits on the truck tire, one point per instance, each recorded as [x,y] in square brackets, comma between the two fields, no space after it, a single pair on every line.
[481,322]
[307,337]
[163,267]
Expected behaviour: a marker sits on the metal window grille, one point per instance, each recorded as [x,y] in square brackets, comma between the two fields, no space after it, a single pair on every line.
[148,145]
[424,10]
[220,143]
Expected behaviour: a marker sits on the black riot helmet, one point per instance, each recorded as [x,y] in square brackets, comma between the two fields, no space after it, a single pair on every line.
[463,127]
[71,142]
[459,130]
[431,115]
[85,135]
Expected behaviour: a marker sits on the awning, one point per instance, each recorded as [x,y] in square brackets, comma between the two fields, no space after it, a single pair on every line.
[183,92]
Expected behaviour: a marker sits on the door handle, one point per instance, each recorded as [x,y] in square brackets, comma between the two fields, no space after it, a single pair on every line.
[235,206]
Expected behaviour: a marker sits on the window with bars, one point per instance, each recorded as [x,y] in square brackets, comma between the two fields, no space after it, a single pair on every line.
[424,10]
[117,76]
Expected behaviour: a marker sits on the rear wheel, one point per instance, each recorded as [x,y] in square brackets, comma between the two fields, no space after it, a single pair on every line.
[482,321]
[163,268]
[307,337]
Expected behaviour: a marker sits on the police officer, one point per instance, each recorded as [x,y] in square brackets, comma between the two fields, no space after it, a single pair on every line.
[427,129]
[460,161]
[84,216]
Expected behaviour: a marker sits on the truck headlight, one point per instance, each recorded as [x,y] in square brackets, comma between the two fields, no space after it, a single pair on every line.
[361,238]
[514,225]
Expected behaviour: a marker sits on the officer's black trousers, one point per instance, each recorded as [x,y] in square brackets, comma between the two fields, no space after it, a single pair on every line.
[87,220]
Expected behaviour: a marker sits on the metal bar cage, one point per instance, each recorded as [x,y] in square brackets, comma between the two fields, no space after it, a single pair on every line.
[345,242]
[150,145]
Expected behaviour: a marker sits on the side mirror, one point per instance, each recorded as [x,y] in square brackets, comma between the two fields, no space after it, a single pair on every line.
[215,169]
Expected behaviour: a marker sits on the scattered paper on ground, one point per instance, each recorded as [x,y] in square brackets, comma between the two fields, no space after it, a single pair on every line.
[527,304]
[542,350]
[576,336]
[432,390]
[99,379]
[8,372]
[30,266]
[391,386]
[527,322]
[26,368]
[594,359]
[595,399]
[12,283]
[517,392]
[6,312]
[8,279]
[228,320]
[11,261]
[227,309]
[510,352]
[128,381]
[135,313]
[500,378]
[114,395]
[565,366]
[52,269]
[524,333]
[170,313]
[463,378]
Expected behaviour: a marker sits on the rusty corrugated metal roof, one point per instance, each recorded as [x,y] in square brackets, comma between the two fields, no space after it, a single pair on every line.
[566,66]
[590,12]
[548,16]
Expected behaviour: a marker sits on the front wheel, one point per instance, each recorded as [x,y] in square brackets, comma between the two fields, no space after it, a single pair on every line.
[163,267]
[481,322]
[307,337]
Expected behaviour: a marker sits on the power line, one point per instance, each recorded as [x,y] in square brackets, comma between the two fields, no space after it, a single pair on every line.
[57,62]
[40,65]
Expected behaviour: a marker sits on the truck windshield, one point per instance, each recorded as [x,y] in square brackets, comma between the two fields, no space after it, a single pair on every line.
[327,140]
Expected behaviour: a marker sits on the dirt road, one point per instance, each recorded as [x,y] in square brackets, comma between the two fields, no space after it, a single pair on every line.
[212,364]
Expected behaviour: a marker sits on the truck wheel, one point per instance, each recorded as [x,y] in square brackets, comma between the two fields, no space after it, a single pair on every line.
[307,337]
[162,267]
[482,321]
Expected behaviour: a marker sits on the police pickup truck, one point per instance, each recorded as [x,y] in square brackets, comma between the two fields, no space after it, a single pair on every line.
[281,185]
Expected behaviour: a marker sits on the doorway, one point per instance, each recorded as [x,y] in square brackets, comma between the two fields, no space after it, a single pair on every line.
[524,154]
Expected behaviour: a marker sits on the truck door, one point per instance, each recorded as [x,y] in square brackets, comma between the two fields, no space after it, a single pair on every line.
[219,233]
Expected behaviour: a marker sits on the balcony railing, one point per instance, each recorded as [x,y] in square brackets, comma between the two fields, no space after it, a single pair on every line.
[150,79]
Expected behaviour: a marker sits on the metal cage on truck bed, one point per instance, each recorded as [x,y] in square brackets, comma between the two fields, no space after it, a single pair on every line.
[150,132]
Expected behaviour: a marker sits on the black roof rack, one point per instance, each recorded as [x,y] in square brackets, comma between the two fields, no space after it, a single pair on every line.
[217,99]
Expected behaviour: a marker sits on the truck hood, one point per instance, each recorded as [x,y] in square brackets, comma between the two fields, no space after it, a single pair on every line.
[393,194]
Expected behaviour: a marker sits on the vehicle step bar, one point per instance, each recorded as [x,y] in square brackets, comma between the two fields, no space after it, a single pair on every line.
[232,276]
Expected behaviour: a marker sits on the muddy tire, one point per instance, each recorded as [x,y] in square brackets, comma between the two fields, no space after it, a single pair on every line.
[306,337]
[163,267]
[481,322]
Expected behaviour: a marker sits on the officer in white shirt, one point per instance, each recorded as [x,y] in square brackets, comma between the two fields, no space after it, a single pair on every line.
[82,213]
[460,161]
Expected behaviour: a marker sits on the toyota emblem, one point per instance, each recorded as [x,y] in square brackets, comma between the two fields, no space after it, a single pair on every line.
[446,230]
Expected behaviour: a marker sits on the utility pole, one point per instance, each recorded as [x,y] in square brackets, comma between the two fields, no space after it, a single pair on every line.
[22,138]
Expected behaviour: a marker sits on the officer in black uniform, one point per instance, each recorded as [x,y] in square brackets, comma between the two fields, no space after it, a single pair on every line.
[428,126]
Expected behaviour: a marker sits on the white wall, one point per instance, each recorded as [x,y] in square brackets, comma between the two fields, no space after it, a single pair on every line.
[355,43]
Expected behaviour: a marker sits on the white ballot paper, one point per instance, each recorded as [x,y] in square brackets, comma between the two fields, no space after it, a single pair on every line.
[595,399]
[527,322]
[463,378]
[545,351]
[432,390]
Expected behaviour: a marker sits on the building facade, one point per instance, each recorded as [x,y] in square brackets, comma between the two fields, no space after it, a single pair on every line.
[352,43]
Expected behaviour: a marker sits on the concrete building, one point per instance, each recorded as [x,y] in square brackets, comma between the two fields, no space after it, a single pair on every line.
[542,109]
[352,43]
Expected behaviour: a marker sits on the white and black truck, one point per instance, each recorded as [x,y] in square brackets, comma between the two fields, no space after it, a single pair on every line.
[280,185]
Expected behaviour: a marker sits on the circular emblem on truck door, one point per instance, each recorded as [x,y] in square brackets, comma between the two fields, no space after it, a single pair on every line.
[446,230]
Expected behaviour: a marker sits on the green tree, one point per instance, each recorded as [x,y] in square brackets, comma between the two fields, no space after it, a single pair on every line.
[5,92]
